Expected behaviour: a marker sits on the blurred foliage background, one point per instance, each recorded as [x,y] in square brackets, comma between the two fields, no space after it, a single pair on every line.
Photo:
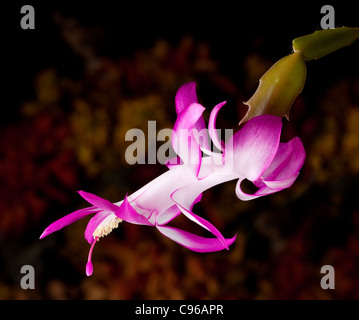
[89,72]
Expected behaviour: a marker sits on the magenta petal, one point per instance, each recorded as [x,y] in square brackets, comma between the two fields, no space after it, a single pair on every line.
[184,142]
[173,162]
[168,215]
[172,212]
[187,119]
[204,224]
[198,199]
[68,219]
[93,224]
[200,133]
[281,173]
[288,160]
[185,96]
[197,219]
[212,126]
[267,187]
[251,150]
[281,184]
[194,242]
[245,196]
[98,201]
[128,214]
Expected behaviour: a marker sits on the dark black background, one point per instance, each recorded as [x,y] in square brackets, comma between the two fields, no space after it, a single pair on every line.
[229,27]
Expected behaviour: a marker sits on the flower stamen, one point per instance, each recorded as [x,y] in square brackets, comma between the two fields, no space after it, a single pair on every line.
[106,226]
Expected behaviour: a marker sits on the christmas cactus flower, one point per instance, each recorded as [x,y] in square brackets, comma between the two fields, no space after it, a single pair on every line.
[254,153]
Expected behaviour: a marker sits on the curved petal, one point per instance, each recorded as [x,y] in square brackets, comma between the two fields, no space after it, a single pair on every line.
[185,96]
[68,219]
[197,219]
[194,242]
[245,196]
[156,195]
[251,150]
[94,223]
[172,212]
[200,133]
[281,184]
[198,199]
[267,187]
[129,214]
[168,215]
[184,142]
[212,126]
[98,201]
[186,120]
[288,160]
[173,162]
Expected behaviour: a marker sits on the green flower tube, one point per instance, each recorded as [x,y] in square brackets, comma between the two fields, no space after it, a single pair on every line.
[323,42]
[278,88]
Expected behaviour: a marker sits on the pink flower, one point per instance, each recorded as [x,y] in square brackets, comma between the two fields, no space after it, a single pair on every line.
[254,153]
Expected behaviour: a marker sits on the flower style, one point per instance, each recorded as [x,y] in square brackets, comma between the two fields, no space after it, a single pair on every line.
[254,153]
